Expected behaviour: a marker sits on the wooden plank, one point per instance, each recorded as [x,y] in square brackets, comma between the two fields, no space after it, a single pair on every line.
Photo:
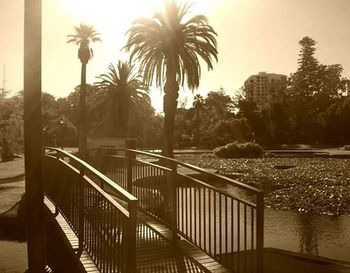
[157,253]
[86,261]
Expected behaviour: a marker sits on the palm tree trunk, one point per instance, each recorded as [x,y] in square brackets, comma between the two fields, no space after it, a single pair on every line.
[82,133]
[198,137]
[125,119]
[171,89]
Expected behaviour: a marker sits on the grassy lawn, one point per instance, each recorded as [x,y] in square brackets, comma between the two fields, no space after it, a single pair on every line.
[11,168]
[318,185]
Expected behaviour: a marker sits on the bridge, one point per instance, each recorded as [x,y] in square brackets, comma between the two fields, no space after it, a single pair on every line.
[135,211]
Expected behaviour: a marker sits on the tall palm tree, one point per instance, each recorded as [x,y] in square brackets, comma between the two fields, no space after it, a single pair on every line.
[198,103]
[84,35]
[121,88]
[168,46]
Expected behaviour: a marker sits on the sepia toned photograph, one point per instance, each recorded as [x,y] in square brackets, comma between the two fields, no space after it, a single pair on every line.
[174,136]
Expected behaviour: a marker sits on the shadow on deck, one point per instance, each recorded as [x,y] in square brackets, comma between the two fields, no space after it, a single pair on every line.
[155,250]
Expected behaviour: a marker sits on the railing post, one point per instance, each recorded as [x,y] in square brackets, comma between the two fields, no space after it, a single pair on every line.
[172,206]
[130,156]
[131,241]
[81,211]
[260,232]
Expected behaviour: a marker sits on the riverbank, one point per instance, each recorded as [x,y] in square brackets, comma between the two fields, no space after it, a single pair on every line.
[315,185]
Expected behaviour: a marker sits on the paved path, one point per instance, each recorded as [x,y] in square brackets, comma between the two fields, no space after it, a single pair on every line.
[11,169]
[13,254]
[10,195]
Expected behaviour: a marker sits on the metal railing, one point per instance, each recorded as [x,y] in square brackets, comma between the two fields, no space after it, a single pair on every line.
[105,226]
[221,216]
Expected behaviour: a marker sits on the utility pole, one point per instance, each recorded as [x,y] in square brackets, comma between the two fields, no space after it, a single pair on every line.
[4,80]
[33,138]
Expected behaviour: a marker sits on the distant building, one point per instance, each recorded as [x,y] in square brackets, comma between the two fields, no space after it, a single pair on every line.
[265,87]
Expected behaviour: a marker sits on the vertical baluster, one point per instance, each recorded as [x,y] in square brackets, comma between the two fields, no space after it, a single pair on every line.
[81,211]
[195,215]
[104,222]
[210,223]
[260,232]
[232,234]
[178,209]
[238,234]
[109,244]
[220,226]
[182,210]
[245,238]
[226,236]
[100,221]
[205,220]
[215,217]
[252,239]
[105,237]
[114,239]
[88,219]
[131,233]
[191,215]
[119,250]
[200,217]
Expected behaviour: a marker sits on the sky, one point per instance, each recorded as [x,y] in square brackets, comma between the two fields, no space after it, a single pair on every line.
[253,36]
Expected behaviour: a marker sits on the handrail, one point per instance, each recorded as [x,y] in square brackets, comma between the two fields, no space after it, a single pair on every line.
[101,223]
[197,181]
[227,226]
[192,167]
[125,194]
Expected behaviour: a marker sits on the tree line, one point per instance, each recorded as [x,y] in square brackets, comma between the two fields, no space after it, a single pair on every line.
[313,107]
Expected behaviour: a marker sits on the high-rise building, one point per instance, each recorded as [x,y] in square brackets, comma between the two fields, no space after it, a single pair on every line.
[265,87]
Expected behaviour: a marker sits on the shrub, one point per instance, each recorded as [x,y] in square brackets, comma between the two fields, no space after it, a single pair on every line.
[221,151]
[237,150]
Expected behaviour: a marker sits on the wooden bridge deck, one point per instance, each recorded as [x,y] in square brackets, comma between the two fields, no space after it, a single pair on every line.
[155,251]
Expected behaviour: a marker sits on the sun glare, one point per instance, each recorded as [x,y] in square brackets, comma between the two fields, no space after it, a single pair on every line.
[113,18]
[107,15]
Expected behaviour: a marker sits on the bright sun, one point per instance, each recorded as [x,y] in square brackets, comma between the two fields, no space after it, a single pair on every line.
[104,13]
[112,18]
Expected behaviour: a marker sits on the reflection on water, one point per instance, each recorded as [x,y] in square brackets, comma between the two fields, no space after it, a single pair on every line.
[322,235]
[308,234]
[319,235]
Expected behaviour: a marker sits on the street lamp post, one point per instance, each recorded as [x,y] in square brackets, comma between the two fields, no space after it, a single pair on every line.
[62,123]
[44,136]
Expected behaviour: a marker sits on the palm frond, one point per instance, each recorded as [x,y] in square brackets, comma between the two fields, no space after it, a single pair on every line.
[170,34]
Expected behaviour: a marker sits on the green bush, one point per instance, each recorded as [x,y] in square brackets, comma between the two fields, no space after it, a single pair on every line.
[238,150]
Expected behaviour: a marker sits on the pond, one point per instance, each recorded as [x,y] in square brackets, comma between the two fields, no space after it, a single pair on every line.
[320,235]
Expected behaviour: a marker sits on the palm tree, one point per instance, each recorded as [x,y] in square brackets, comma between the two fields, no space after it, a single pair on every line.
[198,103]
[168,46]
[84,35]
[121,88]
